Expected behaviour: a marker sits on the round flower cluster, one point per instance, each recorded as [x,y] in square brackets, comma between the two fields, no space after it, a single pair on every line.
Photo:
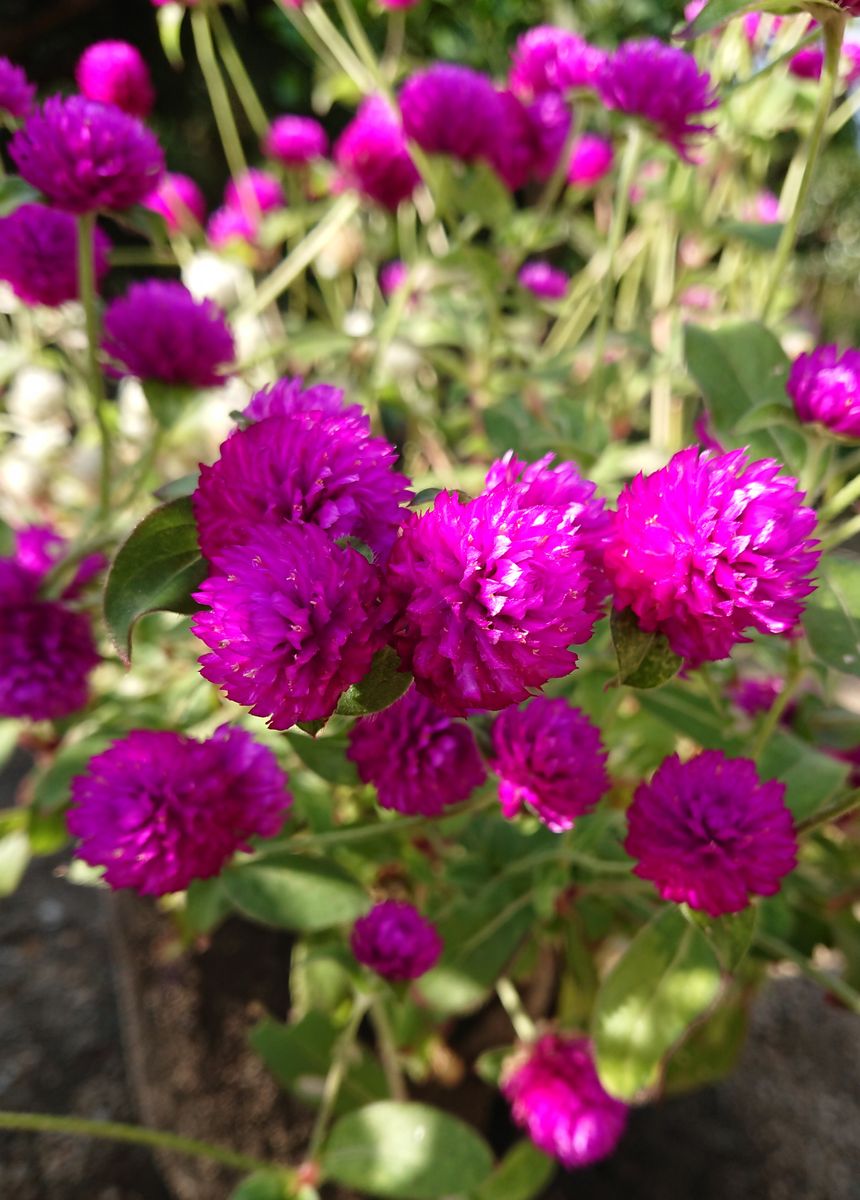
[710,546]
[246,201]
[418,759]
[372,156]
[555,1094]
[450,109]
[709,834]
[547,59]
[17,94]
[825,389]
[289,396]
[395,941]
[39,255]
[544,280]
[530,138]
[180,201]
[158,810]
[295,141]
[158,331]
[116,73]
[549,757]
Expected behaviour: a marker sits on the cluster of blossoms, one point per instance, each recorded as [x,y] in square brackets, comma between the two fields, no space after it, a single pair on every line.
[247,200]
[39,255]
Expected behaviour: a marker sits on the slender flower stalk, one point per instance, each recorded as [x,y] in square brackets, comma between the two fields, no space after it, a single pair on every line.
[388,1050]
[511,1001]
[780,704]
[239,77]
[218,97]
[328,33]
[336,1074]
[361,44]
[95,381]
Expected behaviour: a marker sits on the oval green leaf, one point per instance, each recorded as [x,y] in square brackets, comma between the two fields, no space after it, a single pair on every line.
[409,1151]
[645,660]
[832,618]
[291,891]
[384,683]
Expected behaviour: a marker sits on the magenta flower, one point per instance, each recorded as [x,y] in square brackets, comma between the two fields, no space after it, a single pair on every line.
[289,396]
[158,331]
[398,4]
[825,388]
[591,160]
[295,141]
[755,694]
[752,24]
[450,109]
[544,280]
[557,1098]
[488,597]
[418,759]
[39,255]
[709,834]
[158,810]
[116,73]
[324,470]
[710,546]
[292,621]
[87,156]
[549,757]
[254,193]
[808,63]
[180,201]
[392,276]
[230,227]
[38,548]
[17,94]
[662,85]
[530,138]
[395,941]
[372,156]
[548,59]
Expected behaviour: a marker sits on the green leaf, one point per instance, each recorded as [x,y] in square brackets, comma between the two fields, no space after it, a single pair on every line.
[645,660]
[810,777]
[47,831]
[764,237]
[690,715]
[406,1150]
[156,569]
[52,787]
[522,1174]
[384,683]
[730,936]
[291,891]
[666,980]
[265,1185]
[832,618]
[14,856]
[186,485]
[488,1066]
[10,731]
[206,905]
[711,1051]
[14,192]
[326,757]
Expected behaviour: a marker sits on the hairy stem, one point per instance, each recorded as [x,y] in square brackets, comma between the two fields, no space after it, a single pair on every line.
[832,983]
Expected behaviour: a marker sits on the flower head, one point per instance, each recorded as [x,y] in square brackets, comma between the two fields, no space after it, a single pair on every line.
[159,331]
[807,63]
[179,200]
[660,84]
[418,759]
[825,388]
[392,276]
[549,757]
[544,280]
[530,137]
[17,94]
[87,156]
[395,941]
[292,621]
[549,59]
[450,109]
[289,395]
[254,193]
[488,597]
[159,810]
[556,1096]
[372,156]
[709,834]
[116,73]
[39,254]
[591,159]
[326,470]
[295,141]
[709,546]
[230,227]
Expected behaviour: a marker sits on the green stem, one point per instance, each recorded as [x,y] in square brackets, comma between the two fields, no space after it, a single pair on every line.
[780,704]
[511,1001]
[620,214]
[826,816]
[95,382]
[218,98]
[832,983]
[113,1131]
[306,31]
[709,683]
[336,1075]
[766,70]
[834,32]
[239,77]
[337,45]
[846,496]
[144,466]
[360,43]
[388,1050]
[842,533]
[395,40]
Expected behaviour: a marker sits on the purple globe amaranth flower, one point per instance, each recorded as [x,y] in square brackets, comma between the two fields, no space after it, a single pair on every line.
[158,810]
[158,331]
[395,941]
[539,484]
[550,59]
[710,834]
[398,4]
[256,192]
[116,73]
[307,467]
[710,546]
[17,94]
[289,395]
[295,141]
[38,548]
[591,160]
[662,85]
[87,156]
[418,758]
[487,598]
[549,757]
[372,156]
[180,201]
[556,1096]
[230,227]
[392,276]
[544,280]
[530,138]
[39,255]
[825,388]
[755,694]
[292,620]
[807,63]
[450,109]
